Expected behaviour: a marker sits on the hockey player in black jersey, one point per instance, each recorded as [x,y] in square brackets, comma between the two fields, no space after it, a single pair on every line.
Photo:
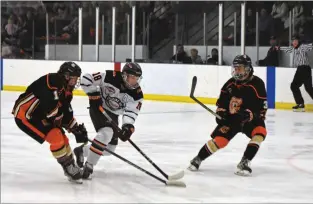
[242,104]
[116,93]
[44,109]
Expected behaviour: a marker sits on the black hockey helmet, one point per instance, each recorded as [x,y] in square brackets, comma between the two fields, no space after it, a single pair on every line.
[132,75]
[243,62]
[70,72]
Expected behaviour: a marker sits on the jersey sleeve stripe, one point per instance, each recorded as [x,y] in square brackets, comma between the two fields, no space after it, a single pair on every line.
[256,92]
[129,117]
[50,87]
[87,79]
[128,111]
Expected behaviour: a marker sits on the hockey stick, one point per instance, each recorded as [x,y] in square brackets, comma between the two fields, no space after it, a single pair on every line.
[193,87]
[168,183]
[176,176]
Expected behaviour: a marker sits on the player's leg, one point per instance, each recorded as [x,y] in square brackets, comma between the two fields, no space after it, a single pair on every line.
[295,88]
[257,133]
[59,145]
[220,138]
[308,82]
[104,136]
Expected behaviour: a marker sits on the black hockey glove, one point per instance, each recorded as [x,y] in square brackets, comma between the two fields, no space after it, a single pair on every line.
[80,133]
[245,116]
[224,114]
[127,131]
[95,100]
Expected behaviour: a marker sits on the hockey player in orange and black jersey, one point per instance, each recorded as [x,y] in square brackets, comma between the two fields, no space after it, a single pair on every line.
[116,93]
[242,105]
[45,109]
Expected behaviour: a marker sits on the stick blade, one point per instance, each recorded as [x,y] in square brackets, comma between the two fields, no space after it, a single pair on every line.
[176,183]
[177,176]
[193,86]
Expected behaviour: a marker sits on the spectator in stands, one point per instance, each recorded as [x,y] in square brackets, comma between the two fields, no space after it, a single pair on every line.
[265,27]
[271,58]
[181,56]
[195,58]
[11,28]
[298,16]
[250,28]
[280,15]
[214,59]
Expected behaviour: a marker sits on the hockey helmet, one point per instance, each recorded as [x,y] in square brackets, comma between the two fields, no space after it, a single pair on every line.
[71,73]
[132,75]
[241,67]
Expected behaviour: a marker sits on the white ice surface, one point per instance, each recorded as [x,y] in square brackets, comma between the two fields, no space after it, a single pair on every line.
[171,134]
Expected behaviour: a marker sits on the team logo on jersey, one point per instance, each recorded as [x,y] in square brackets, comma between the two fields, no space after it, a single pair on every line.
[109,90]
[114,103]
[234,105]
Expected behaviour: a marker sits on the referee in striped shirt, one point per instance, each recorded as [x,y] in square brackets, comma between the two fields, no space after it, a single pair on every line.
[303,74]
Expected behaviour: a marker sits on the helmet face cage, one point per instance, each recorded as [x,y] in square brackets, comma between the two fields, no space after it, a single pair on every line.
[131,70]
[70,71]
[239,62]
[125,76]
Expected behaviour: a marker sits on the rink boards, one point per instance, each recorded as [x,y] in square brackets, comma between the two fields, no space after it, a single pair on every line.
[162,82]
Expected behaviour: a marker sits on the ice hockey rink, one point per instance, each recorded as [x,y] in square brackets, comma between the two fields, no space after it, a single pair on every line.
[171,134]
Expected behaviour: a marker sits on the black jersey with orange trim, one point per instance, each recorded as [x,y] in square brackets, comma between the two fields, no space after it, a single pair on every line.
[249,95]
[45,98]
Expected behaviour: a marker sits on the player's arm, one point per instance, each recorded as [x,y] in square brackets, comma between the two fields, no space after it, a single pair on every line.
[69,122]
[306,47]
[130,115]
[259,108]
[47,90]
[91,84]
[261,105]
[223,103]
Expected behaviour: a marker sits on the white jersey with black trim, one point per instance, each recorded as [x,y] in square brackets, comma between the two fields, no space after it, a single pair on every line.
[115,96]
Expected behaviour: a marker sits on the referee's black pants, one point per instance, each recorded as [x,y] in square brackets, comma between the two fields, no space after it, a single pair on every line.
[303,76]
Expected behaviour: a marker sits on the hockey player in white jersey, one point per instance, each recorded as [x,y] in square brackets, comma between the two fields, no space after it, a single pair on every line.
[117,93]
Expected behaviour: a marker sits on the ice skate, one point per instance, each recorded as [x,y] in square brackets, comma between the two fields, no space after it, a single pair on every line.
[88,170]
[299,108]
[243,168]
[195,164]
[73,173]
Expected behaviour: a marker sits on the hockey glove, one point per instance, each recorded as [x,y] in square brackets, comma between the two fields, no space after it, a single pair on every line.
[80,133]
[245,116]
[95,100]
[224,114]
[126,132]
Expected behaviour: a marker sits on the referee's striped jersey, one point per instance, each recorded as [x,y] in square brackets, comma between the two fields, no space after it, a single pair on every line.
[300,54]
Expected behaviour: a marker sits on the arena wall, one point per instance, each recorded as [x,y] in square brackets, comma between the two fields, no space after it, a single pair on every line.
[162,82]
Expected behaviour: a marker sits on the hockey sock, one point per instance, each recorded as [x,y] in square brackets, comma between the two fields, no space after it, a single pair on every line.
[253,147]
[104,136]
[212,146]
[207,150]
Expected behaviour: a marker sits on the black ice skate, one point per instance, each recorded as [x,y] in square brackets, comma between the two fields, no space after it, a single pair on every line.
[299,108]
[243,168]
[73,173]
[79,154]
[88,170]
[195,164]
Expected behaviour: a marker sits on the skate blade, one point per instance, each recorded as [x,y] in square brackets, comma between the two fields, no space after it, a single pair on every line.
[299,110]
[78,181]
[242,173]
[192,168]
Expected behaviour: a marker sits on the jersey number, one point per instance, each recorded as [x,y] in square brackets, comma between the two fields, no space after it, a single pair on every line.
[96,76]
[139,106]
